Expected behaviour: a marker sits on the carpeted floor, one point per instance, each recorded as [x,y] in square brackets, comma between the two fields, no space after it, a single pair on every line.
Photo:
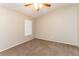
[38,47]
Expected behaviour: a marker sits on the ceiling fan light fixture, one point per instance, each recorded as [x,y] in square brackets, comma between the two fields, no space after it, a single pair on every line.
[38,6]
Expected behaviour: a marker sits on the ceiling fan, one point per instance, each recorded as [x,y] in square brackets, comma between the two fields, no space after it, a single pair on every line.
[38,6]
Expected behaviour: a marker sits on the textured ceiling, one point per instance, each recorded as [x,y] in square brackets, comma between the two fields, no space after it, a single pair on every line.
[31,11]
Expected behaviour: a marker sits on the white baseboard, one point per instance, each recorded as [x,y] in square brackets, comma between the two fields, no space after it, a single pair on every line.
[58,42]
[27,39]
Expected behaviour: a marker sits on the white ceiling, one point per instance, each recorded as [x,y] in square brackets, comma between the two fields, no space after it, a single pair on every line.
[31,11]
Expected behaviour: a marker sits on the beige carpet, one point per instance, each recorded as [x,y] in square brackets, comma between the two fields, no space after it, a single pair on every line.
[37,47]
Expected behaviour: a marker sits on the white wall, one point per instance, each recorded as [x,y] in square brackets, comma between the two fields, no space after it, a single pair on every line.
[78,23]
[12,28]
[60,25]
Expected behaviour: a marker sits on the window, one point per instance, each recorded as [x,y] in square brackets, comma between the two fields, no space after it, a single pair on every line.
[28,27]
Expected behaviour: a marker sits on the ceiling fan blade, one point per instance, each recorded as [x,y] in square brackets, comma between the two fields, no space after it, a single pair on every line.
[47,5]
[28,4]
